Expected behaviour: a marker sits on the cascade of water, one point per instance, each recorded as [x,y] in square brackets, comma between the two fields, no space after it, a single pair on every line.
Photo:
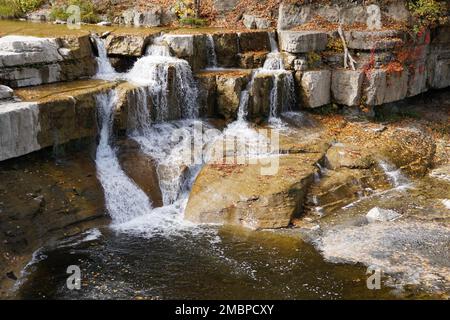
[394,175]
[159,140]
[105,69]
[211,52]
[153,71]
[275,65]
[167,143]
[124,199]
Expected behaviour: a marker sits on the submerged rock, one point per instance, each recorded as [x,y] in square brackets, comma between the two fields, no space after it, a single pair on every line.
[383,215]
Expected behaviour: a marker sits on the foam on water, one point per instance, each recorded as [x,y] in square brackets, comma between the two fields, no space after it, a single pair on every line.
[395,176]
[409,252]
[152,72]
[124,199]
[105,70]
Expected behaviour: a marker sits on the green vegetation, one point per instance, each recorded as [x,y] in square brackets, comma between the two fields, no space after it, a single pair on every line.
[87,9]
[313,59]
[18,8]
[427,13]
[187,12]
[193,22]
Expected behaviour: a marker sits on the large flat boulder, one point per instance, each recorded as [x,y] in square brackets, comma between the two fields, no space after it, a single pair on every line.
[25,50]
[302,41]
[49,115]
[266,191]
[240,195]
[376,40]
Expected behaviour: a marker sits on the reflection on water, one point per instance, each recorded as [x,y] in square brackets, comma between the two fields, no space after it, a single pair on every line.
[210,263]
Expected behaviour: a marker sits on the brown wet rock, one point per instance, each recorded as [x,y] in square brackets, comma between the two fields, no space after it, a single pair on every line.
[248,194]
[141,168]
[227,49]
[43,199]
[349,156]
[240,195]
[337,188]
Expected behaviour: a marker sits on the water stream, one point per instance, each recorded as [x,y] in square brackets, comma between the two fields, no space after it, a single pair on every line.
[152,252]
[105,70]
[211,52]
[124,200]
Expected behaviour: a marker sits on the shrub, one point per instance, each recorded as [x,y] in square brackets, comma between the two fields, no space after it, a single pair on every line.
[194,22]
[87,10]
[185,9]
[427,13]
[313,59]
[18,8]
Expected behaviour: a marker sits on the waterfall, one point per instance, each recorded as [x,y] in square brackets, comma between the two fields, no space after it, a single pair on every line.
[275,65]
[154,71]
[282,95]
[395,176]
[153,74]
[244,99]
[211,52]
[124,199]
[104,68]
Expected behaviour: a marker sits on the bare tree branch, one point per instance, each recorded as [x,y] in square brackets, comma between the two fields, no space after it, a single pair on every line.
[347,55]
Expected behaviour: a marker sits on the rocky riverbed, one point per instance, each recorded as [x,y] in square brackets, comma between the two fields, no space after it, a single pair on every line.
[58,191]
[167,162]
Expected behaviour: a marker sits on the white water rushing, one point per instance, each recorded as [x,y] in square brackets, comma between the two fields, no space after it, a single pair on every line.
[211,52]
[124,199]
[153,71]
[282,99]
[395,176]
[105,70]
[166,90]
[282,95]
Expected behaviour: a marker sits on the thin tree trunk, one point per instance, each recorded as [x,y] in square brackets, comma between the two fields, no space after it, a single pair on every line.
[347,55]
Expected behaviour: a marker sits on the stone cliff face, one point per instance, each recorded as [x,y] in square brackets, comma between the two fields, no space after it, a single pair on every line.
[320,79]
[29,61]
